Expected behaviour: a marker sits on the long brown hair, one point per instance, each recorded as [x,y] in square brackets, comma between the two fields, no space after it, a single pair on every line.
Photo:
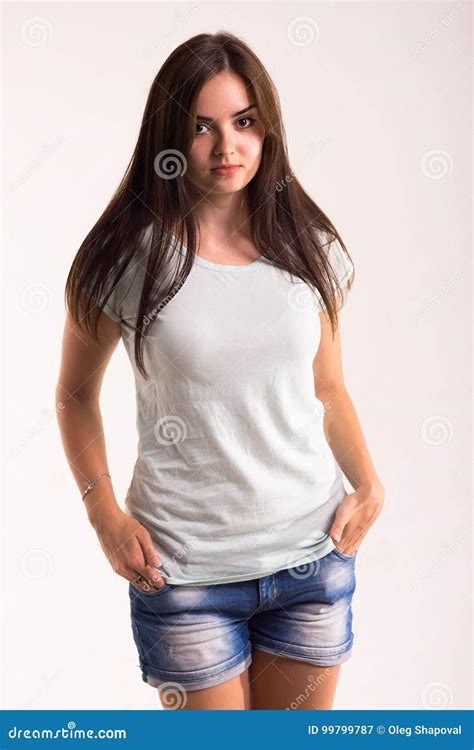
[287,226]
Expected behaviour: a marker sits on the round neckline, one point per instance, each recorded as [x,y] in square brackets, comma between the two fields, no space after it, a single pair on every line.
[181,248]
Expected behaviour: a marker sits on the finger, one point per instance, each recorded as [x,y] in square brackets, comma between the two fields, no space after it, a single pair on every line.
[154,577]
[337,529]
[350,544]
[344,513]
[149,553]
[151,559]
[142,584]
[132,575]
[137,567]
[340,521]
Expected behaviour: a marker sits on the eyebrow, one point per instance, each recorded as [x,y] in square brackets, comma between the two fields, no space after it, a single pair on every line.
[236,114]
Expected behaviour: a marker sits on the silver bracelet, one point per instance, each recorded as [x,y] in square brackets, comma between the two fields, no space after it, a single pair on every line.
[94,482]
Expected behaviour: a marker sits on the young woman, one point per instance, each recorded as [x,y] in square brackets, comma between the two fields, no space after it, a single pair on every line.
[224,281]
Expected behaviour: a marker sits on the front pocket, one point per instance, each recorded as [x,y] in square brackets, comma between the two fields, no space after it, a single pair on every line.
[152,592]
[343,554]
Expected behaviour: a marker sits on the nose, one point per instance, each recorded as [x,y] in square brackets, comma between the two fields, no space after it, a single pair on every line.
[225,142]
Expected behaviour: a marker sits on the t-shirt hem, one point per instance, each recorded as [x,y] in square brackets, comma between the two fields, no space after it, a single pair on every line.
[324,549]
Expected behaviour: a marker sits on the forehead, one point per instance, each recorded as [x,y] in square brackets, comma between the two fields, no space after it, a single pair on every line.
[223,95]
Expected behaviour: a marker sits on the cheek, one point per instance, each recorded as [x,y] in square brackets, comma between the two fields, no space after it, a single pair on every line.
[252,150]
[249,147]
[197,156]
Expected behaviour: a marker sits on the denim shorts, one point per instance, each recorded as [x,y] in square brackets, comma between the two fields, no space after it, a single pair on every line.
[201,636]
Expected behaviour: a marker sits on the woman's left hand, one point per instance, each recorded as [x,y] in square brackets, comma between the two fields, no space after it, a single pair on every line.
[354,517]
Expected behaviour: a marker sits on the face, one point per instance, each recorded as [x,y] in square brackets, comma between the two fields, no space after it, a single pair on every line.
[227,131]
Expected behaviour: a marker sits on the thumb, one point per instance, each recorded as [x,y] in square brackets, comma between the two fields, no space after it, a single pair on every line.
[151,556]
[338,526]
[344,513]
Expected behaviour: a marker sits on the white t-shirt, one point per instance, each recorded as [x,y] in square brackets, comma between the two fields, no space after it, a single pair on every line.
[234,478]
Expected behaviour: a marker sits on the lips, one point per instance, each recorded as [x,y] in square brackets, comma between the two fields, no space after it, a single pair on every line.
[227,169]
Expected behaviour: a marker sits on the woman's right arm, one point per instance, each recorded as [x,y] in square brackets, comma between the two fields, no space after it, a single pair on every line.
[126,543]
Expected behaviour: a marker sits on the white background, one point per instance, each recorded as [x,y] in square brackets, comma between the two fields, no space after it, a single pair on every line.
[377,112]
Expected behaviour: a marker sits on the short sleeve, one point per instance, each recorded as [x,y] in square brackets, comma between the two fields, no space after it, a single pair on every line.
[124,298]
[342,266]
[112,306]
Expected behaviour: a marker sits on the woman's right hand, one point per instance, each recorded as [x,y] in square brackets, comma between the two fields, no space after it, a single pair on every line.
[129,549]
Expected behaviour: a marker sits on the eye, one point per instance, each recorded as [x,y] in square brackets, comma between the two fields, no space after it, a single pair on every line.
[200,125]
[251,120]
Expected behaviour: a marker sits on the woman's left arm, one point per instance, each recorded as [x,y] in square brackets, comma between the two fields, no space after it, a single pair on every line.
[359,510]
